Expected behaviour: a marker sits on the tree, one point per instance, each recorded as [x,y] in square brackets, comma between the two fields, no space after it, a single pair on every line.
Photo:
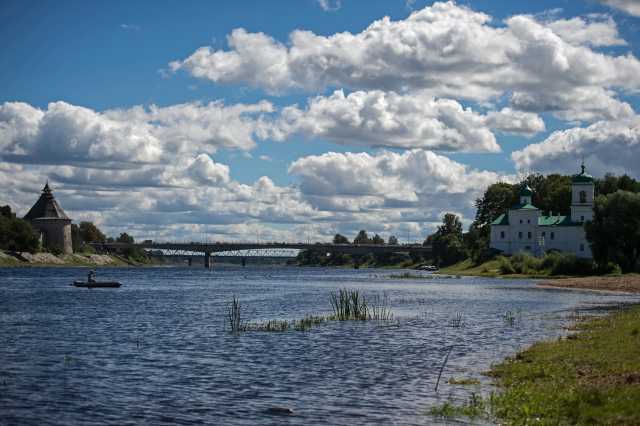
[610,184]
[362,238]
[377,239]
[393,241]
[89,233]
[125,238]
[614,232]
[340,239]
[495,201]
[5,211]
[447,243]
[16,234]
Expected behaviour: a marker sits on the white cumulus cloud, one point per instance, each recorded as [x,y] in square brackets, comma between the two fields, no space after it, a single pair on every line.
[607,146]
[449,50]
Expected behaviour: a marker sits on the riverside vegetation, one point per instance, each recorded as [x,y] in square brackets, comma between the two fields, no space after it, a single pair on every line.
[591,377]
[347,305]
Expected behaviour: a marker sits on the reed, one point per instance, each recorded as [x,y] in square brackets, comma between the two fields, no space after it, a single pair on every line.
[234,316]
[351,305]
[456,322]
[379,308]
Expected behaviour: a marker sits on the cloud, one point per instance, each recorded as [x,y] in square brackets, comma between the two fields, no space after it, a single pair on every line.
[69,134]
[387,119]
[130,27]
[632,7]
[595,31]
[607,146]
[448,50]
[330,5]
[416,184]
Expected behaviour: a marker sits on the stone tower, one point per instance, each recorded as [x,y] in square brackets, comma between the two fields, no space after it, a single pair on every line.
[582,191]
[53,224]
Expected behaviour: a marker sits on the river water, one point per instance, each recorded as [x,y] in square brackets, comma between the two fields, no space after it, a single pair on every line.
[155,351]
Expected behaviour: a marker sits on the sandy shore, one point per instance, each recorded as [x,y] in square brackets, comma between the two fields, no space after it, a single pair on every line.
[629,283]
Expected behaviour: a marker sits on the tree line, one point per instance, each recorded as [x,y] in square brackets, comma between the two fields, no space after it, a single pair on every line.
[18,235]
[614,232]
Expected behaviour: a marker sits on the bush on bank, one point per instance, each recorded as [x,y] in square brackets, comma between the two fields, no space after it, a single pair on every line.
[553,263]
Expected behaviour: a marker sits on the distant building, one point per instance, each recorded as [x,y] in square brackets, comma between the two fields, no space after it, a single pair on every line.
[524,229]
[53,224]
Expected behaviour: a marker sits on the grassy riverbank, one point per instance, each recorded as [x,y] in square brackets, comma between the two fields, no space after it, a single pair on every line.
[591,377]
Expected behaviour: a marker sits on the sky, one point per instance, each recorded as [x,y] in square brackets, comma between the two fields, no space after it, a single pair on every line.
[296,120]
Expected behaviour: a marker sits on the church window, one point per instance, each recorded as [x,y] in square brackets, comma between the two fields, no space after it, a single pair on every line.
[502,234]
[520,220]
[529,235]
[581,247]
[581,218]
[583,197]
[552,235]
[544,234]
[520,235]
[528,221]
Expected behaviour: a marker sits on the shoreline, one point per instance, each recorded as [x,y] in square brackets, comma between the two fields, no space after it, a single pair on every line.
[627,283]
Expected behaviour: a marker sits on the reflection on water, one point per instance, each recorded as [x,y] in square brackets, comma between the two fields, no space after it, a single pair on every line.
[155,350]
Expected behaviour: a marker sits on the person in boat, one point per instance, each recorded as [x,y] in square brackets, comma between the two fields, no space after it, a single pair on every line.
[91,278]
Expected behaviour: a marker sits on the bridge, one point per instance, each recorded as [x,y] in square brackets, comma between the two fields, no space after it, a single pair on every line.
[222,247]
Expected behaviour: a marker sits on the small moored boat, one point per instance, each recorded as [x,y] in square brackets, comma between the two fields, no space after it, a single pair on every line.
[97,284]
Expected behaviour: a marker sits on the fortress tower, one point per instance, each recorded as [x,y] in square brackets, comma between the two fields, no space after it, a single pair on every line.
[53,224]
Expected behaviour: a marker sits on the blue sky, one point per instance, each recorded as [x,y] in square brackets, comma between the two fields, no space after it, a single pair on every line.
[100,57]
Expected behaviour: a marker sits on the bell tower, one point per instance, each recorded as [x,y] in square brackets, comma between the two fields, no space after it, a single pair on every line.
[582,192]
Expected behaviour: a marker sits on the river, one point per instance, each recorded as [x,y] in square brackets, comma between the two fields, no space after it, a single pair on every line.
[155,351]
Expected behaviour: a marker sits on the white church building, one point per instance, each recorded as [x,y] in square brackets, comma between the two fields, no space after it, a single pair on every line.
[524,229]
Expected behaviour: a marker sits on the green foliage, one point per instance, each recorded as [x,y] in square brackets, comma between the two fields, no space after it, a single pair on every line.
[591,378]
[614,232]
[362,238]
[393,241]
[553,263]
[125,238]
[377,239]
[340,239]
[350,305]
[610,184]
[16,234]
[447,242]
[89,233]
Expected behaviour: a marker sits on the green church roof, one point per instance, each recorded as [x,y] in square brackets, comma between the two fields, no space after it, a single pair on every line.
[557,221]
[526,206]
[503,219]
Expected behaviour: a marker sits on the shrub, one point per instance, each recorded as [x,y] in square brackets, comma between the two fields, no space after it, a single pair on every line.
[504,266]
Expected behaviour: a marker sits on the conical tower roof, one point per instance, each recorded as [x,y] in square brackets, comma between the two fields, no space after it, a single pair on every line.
[46,207]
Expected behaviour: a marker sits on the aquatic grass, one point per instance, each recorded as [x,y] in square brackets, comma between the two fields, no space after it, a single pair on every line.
[457,321]
[234,316]
[352,305]
[468,381]
[348,305]
[475,407]
[379,308]
[511,318]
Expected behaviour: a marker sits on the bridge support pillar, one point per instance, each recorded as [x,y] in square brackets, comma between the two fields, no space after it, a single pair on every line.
[207,260]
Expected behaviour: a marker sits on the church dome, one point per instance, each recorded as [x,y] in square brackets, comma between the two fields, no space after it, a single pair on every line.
[526,191]
[582,177]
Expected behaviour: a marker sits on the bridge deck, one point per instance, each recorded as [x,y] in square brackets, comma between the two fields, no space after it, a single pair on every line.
[219,247]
